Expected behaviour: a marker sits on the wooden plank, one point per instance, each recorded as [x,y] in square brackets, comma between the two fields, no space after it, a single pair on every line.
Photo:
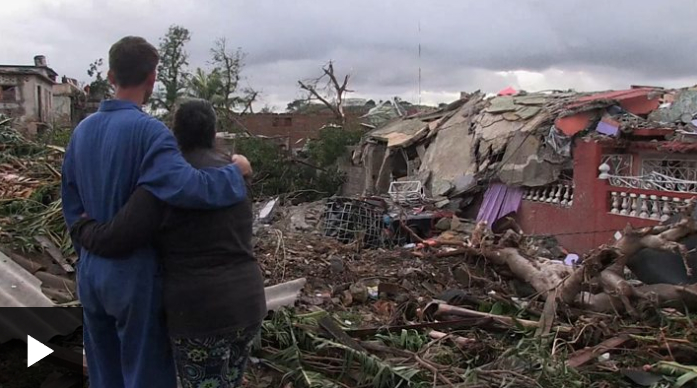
[55,253]
[585,355]
[30,265]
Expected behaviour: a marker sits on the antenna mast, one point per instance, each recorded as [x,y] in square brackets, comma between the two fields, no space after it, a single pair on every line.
[419,62]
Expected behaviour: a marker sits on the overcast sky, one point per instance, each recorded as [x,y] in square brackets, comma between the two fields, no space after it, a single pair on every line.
[465,45]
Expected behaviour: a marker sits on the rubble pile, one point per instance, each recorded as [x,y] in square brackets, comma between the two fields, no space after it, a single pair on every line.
[520,140]
[32,229]
[30,192]
[469,307]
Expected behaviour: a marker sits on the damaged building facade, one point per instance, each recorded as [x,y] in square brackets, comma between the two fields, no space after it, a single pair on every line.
[32,95]
[27,93]
[577,166]
[69,102]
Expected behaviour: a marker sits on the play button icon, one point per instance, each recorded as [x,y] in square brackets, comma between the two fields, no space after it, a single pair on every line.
[36,351]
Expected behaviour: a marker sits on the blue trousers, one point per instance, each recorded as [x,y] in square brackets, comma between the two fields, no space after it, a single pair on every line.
[126,343]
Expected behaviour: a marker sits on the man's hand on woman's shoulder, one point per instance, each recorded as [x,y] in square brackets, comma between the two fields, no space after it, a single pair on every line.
[243,164]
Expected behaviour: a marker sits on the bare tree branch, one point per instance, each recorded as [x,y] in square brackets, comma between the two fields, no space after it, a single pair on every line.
[333,87]
[248,100]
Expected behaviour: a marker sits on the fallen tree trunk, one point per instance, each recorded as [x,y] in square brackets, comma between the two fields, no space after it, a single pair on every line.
[618,295]
[656,295]
[604,266]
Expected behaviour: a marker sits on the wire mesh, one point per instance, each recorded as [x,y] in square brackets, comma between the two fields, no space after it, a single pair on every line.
[349,220]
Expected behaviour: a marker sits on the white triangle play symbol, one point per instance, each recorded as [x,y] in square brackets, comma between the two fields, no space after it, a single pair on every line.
[36,351]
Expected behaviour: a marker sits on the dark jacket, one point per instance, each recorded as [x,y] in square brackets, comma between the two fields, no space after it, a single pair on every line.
[212,282]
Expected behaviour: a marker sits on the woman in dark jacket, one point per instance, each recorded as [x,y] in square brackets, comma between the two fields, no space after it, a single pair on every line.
[213,287]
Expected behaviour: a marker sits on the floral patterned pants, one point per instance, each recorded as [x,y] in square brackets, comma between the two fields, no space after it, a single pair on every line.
[216,361]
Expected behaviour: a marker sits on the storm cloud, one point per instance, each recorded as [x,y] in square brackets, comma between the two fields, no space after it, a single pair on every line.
[465,45]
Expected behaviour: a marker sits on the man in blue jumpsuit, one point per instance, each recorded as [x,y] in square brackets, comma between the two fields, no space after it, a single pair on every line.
[111,153]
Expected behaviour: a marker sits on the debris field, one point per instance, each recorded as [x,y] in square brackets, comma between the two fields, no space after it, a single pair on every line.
[466,309]
[395,291]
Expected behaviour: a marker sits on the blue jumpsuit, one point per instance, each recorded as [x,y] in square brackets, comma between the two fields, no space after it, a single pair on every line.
[111,153]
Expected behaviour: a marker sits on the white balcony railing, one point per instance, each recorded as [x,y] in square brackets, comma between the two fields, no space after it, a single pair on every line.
[561,194]
[650,207]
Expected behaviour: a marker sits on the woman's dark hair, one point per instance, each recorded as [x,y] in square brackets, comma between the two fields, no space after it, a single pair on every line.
[131,60]
[194,125]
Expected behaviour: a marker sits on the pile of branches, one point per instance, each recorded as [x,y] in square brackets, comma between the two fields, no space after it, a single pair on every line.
[599,284]
[480,310]
[295,346]
[30,203]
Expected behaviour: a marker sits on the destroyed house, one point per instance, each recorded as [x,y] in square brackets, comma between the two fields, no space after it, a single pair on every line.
[576,166]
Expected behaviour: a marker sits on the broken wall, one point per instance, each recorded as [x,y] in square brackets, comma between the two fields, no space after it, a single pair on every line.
[355,174]
[32,101]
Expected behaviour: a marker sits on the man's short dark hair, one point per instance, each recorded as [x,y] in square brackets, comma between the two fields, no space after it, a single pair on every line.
[131,60]
[194,125]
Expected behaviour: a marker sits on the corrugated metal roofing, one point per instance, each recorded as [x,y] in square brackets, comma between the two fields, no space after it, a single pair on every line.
[42,323]
[19,288]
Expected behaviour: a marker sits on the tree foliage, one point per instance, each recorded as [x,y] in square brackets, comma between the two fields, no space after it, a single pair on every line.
[304,105]
[331,144]
[296,106]
[228,64]
[221,84]
[276,172]
[206,86]
[172,70]
[99,87]
[267,109]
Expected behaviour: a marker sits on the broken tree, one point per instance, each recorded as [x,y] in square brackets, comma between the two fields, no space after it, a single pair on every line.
[329,91]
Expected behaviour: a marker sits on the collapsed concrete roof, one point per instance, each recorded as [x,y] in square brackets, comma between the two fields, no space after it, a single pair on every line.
[521,140]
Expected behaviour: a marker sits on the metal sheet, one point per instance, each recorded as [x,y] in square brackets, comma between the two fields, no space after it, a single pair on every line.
[42,323]
[19,288]
[284,294]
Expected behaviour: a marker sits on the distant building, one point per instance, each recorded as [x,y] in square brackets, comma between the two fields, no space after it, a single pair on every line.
[27,94]
[354,102]
[295,128]
[68,103]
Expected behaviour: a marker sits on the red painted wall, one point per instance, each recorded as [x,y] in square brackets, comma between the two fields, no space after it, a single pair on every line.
[583,226]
